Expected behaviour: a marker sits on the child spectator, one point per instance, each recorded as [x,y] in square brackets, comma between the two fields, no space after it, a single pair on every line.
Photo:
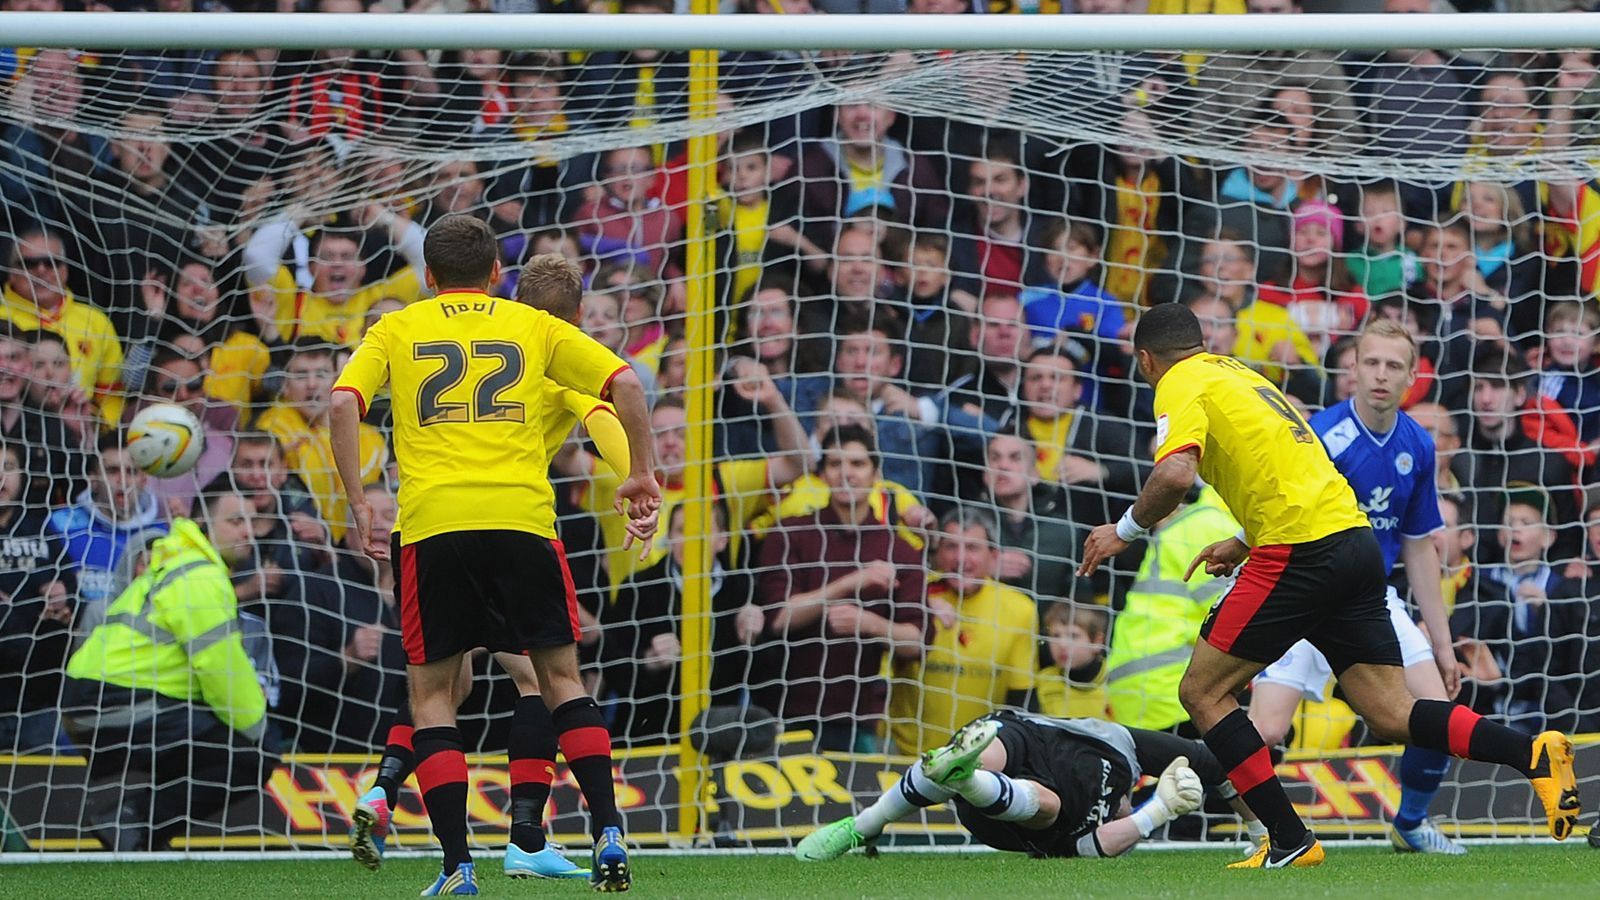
[626,223]
[1534,635]
[1383,264]
[1321,297]
[760,222]
[1454,543]
[1074,684]
[1455,309]
[1496,215]
[936,329]
[1569,378]
[1072,301]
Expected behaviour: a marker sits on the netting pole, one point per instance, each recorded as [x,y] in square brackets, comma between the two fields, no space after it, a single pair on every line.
[699,327]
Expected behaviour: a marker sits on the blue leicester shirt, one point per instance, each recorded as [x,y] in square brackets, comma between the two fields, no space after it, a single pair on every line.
[1392,474]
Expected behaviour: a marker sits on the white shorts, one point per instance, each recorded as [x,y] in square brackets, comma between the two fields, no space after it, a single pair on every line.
[1304,668]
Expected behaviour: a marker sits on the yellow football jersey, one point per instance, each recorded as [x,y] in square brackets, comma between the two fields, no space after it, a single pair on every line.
[468,372]
[1255,449]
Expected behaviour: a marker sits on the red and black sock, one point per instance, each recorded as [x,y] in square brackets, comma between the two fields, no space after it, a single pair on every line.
[442,776]
[1454,729]
[533,767]
[397,756]
[586,744]
[1238,747]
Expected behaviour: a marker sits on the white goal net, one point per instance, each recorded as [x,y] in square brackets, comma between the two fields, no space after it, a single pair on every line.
[932,256]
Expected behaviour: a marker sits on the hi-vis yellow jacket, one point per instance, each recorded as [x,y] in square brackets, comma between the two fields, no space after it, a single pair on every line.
[1157,628]
[175,631]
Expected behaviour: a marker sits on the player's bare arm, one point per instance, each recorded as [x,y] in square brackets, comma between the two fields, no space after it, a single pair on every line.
[344,421]
[1422,564]
[1163,491]
[639,495]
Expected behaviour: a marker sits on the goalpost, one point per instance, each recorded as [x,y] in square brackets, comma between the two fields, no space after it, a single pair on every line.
[1185,144]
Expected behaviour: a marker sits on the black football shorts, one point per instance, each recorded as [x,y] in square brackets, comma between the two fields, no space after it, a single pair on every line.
[1330,591]
[508,591]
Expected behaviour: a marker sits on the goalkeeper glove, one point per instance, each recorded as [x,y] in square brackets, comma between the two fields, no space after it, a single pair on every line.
[1178,793]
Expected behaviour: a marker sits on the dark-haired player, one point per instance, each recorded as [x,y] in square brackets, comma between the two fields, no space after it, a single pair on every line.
[552,283]
[1315,571]
[475,553]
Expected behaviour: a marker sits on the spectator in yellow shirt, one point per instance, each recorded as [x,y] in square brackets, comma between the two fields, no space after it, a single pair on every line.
[982,655]
[299,420]
[327,294]
[36,297]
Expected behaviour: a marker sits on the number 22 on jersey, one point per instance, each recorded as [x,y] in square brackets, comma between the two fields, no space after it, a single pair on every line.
[484,403]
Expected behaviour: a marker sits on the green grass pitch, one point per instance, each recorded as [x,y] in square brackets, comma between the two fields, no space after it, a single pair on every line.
[1367,873]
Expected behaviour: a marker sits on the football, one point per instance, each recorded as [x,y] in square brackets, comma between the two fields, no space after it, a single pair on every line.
[165,440]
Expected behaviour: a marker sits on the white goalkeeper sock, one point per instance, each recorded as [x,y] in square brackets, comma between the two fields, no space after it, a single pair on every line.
[999,797]
[912,792]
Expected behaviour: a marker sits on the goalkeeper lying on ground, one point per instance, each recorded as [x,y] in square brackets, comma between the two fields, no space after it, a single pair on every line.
[1043,786]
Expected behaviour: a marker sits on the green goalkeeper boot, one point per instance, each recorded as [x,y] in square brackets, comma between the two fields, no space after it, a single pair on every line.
[960,758]
[830,841]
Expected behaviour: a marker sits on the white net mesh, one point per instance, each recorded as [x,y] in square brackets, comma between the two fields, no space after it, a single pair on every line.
[947,250]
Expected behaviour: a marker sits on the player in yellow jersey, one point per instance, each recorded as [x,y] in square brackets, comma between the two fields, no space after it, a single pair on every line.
[546,284]
[474,550]
[1314,571]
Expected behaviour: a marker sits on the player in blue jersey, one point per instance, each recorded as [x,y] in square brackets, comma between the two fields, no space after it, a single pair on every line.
[1388,459]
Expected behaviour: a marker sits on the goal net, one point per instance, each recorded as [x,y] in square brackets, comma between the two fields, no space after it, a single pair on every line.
[925,270]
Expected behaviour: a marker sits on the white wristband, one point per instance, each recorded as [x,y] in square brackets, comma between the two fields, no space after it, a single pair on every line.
[1129,530]
[1152,815]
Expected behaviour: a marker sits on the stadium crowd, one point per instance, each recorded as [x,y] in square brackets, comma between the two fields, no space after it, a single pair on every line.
[924,398]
